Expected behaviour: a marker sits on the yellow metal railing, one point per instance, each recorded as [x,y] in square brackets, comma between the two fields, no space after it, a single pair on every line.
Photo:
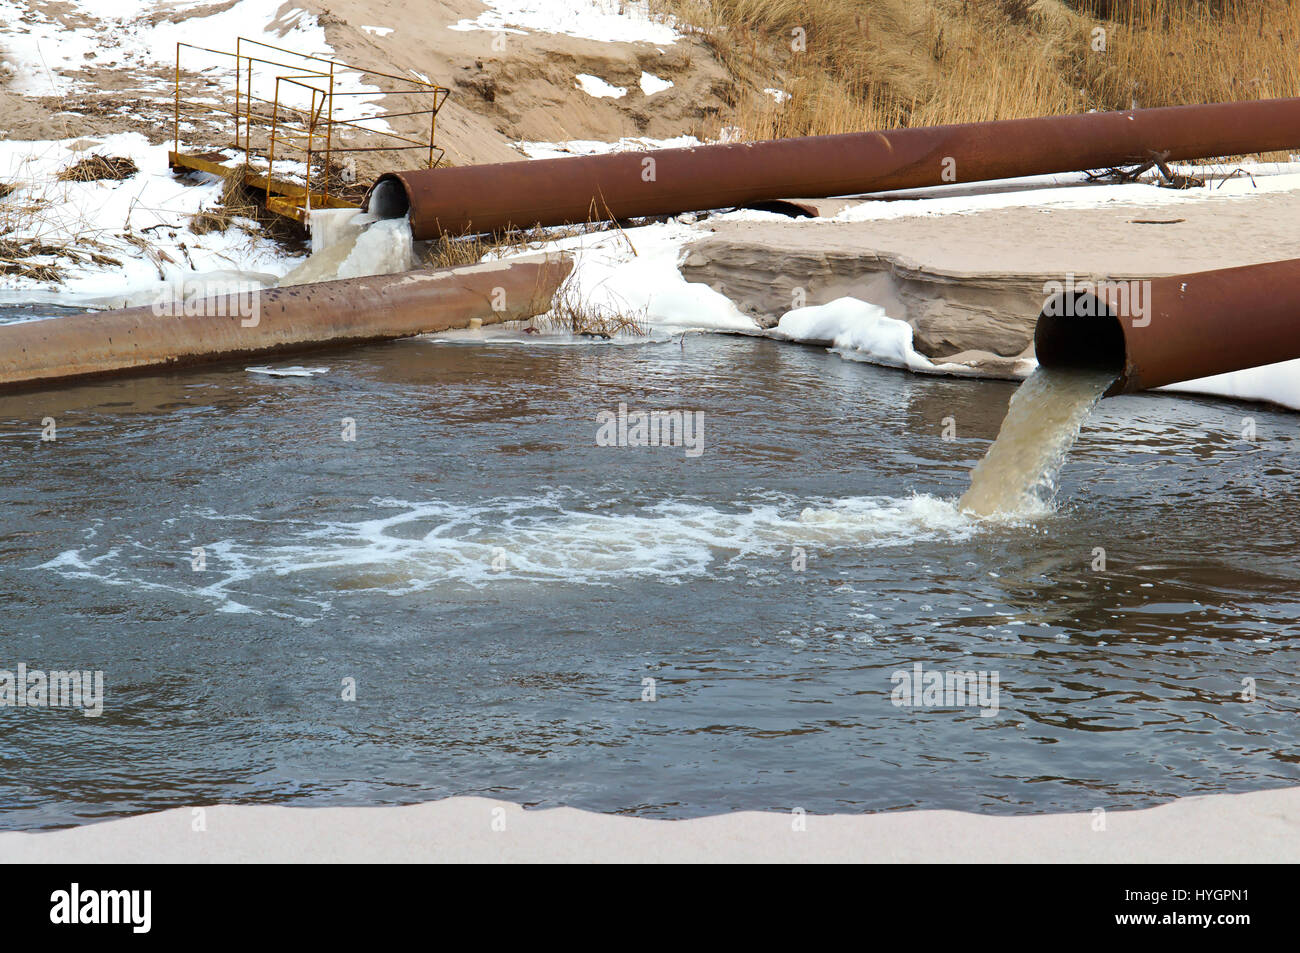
[307,122]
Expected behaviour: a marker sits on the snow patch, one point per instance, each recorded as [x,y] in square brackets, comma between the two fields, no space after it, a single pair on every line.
[636,272]
[141,223]
[651,84]
[595,147]
[1274,384]
[860,331]
[609,21]
[1069,190]
[595,86]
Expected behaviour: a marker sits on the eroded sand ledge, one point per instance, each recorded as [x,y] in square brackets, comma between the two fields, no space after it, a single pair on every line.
[971,284]
[1258,827]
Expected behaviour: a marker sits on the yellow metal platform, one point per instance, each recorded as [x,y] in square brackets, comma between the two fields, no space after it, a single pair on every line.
[287,105]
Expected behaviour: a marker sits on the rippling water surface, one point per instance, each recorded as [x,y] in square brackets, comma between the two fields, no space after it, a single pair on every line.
[501,587]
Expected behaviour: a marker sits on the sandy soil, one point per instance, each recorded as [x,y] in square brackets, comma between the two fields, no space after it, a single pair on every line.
[505,88]
[1261,827]
[971,284]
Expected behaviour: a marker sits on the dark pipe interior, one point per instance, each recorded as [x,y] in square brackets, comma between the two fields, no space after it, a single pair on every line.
[786,208]
[1078,330]
[388,199]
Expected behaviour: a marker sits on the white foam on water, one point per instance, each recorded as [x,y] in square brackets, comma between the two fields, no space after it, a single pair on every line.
[423,545]
[410,547]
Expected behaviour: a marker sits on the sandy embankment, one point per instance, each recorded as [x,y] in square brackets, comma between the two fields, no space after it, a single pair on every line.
[971,283]
[1261,827]
[73,68]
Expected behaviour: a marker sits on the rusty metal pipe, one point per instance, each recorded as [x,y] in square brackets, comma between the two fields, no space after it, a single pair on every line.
[1175,329]
[331,313]
[487,198]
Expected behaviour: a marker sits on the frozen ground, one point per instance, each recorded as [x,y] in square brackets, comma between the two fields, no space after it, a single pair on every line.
[139,227]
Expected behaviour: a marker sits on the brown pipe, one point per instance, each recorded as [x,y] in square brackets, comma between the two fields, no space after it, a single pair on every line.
[488,198]
[1174,329]
[347,312]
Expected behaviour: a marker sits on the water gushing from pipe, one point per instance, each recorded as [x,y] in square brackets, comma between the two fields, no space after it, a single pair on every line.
[1018,473]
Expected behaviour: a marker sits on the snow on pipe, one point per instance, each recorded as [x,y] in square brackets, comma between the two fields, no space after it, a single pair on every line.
[1174,329]
[488,198]
[264,322]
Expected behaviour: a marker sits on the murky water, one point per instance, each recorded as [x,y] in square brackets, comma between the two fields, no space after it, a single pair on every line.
[502,589]
[1018,474]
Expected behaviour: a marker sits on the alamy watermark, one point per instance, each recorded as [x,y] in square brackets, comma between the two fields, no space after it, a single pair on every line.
[651,428]
[1089,299]
[78,905]
[922,688]
[36,688]
[211,299]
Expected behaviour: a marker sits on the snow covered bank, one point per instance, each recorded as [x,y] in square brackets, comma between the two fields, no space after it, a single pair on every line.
[117,243]
[860,331]
[1273,384]
[636,272]
[1072,190]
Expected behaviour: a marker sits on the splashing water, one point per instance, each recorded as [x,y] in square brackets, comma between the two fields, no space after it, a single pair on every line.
[346,243]
[1018,474]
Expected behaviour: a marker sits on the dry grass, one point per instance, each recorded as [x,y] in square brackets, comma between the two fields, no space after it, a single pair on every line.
[98,168]
[449,252]
[236,204]
[570,312]
[17,254]
[868,64]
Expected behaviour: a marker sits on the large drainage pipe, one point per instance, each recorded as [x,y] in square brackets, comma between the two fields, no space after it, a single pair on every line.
[331,313]
[488,198]
[1174,329]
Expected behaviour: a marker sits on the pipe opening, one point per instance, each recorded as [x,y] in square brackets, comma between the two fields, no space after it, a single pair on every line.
[388,199]
[785,207]
[1078,331]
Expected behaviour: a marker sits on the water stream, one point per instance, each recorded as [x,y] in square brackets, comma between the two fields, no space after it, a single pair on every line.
[1017,477]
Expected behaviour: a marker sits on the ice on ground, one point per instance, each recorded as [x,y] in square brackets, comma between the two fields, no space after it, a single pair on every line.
[609,21]
[595,86]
